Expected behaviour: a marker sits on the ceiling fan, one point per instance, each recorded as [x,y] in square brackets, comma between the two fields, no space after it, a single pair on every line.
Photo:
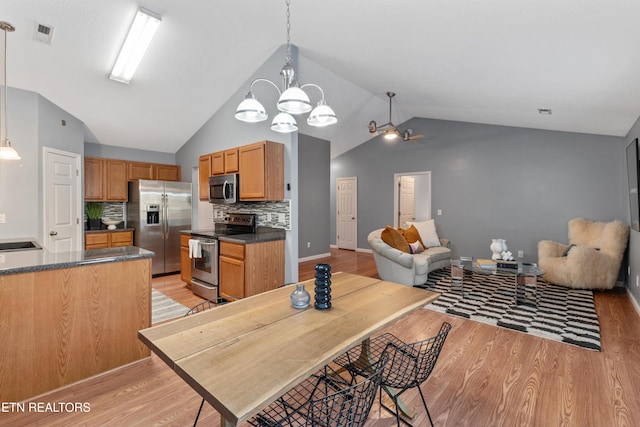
[389,130]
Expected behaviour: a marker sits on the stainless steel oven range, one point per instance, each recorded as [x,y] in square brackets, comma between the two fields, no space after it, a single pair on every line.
[204,270]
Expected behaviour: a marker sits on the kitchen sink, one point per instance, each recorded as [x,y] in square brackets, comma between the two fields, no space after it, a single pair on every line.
[19,246]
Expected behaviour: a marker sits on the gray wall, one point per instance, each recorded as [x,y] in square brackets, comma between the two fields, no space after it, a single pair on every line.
[34,123]
[634,238]
[132,154]
[522,185]
[222,131]
[313,194]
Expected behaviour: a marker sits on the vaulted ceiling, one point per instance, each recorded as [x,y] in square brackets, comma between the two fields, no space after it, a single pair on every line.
[490,61]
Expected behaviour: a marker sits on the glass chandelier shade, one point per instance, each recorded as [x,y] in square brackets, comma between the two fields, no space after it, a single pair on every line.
[251,110]
[390,134]
[322,115]
[294,101]
[284,123]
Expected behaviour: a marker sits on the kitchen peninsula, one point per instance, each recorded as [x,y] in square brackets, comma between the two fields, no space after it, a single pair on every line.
[68,316]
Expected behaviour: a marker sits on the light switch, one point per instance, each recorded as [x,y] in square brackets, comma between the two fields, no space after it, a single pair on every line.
[3,218]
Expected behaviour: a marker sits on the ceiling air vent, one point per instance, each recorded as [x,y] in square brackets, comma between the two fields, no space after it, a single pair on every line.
[43,33]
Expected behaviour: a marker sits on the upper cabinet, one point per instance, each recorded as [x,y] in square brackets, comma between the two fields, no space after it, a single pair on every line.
[204,172]
[105,180]
[166,172]
[142,170]
[261,168]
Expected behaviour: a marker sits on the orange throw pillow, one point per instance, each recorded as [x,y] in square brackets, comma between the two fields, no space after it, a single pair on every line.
[395,239]
[412,235]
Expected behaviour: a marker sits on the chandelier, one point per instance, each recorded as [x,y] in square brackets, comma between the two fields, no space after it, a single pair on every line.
[6,150]
[292,101]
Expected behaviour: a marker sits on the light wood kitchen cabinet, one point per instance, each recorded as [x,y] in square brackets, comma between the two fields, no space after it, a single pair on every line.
[94,173]
[261,168]
[108,239]
[231,163]
[224,162]
[250,269]
[105,180]
[217,163]
[159,171]
[139,170]
[117,187]
[166,172]
[185,261]
[204,172]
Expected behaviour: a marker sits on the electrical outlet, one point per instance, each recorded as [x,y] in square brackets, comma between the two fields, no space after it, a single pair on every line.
[308,244]
[281,218]
[637,281]
[3,218]
[1,258]
[520,254]
[439,211]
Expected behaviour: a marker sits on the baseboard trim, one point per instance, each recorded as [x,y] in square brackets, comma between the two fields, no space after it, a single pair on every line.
[367,251]
[311,258]
[634,302]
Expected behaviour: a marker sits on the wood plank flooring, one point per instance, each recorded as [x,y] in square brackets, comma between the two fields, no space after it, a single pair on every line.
[486,376]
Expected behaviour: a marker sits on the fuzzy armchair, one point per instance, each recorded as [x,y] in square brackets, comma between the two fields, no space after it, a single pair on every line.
[592,258]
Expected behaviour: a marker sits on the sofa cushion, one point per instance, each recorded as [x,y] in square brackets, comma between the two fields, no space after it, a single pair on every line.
[395,239]
[427,231]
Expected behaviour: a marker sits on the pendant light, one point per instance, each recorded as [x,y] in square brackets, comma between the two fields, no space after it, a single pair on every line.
[7,152]
[293,100]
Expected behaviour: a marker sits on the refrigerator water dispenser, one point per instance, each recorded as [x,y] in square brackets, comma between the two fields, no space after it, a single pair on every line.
[153,214]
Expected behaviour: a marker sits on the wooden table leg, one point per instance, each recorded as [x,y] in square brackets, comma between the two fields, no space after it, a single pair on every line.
[225,423]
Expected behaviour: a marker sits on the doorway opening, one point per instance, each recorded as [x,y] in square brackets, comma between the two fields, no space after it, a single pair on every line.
[412,197]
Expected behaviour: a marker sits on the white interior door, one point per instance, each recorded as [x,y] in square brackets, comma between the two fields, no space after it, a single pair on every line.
[407,200]
[347,213]
[62,201]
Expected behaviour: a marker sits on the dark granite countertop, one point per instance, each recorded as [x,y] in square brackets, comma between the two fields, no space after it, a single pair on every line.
[40,260]
[263,234]
[104,230]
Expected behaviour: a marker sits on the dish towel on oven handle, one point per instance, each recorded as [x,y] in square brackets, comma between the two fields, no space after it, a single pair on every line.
[195,249]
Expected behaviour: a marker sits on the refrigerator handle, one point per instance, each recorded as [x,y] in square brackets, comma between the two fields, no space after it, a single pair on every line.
[165,214]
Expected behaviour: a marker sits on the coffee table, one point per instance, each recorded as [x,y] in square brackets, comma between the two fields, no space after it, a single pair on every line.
[526,275]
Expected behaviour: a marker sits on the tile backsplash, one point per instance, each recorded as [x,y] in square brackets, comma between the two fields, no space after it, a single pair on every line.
[112,210]
[268,214]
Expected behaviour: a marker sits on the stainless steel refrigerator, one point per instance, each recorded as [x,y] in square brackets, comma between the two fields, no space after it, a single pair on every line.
[158,211]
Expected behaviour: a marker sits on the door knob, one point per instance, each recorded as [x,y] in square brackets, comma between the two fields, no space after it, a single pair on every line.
[53,233]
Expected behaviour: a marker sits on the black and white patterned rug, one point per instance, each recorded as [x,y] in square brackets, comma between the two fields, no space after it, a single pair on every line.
[554,312]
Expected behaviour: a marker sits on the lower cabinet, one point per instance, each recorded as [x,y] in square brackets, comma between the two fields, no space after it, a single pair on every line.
[246,270]
[108,239]
[185,261]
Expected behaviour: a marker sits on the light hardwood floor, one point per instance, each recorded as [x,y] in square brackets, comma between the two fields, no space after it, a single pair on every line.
[486,376]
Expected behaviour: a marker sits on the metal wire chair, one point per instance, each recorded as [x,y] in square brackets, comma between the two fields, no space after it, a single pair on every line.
[325,399]
[203,306]
[409,365]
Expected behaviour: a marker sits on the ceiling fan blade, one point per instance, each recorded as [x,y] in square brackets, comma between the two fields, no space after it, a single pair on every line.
[414,137]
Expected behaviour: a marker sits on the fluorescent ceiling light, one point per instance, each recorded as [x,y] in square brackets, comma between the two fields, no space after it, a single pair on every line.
[135,45]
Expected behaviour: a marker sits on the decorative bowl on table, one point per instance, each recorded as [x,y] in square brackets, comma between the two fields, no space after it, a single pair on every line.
[111,223]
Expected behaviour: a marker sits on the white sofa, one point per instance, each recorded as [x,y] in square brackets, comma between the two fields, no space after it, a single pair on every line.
[409,269]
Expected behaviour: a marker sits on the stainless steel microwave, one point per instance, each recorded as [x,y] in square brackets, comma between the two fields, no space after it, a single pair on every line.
[223,189]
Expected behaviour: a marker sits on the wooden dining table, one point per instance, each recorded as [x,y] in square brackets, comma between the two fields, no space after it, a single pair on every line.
[240,357]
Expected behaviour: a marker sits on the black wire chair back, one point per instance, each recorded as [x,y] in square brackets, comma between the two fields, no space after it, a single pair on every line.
[411,364]
[206,305]
[325,399]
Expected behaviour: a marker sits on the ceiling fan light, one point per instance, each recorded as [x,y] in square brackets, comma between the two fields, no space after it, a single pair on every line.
[250,110]
[390,134]
[7,152]
[284,123]
[294,101]
[322,115]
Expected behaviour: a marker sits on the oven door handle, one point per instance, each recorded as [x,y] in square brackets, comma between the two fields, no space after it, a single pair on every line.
[208,243]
